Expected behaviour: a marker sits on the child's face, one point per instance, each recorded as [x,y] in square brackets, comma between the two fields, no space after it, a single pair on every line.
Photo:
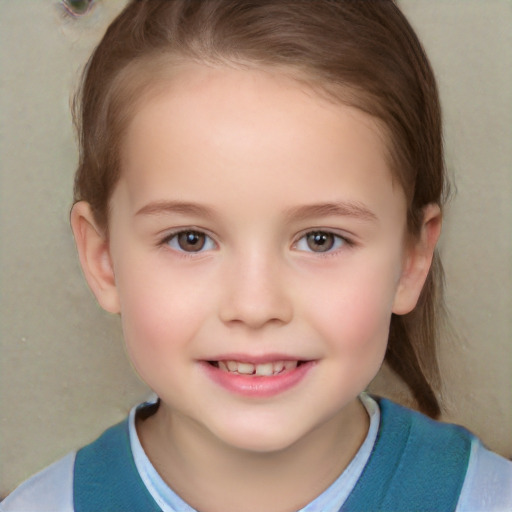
[255,223]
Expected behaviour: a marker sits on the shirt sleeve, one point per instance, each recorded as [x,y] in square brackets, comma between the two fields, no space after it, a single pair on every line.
[50,490]
[488,483]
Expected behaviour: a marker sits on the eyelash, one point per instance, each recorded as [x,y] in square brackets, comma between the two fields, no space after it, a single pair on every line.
[339,241]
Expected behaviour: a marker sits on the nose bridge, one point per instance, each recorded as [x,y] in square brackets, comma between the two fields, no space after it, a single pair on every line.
[255,291]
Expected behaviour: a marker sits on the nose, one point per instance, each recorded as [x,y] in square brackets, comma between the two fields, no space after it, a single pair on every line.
[255,293]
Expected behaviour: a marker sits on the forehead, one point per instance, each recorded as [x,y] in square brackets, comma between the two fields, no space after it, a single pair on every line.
[249,130]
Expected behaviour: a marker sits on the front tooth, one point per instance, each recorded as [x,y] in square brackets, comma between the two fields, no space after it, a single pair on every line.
[232,366]
[246,368]
[265,369]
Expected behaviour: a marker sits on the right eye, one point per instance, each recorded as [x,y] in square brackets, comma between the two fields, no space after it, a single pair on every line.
[190,241]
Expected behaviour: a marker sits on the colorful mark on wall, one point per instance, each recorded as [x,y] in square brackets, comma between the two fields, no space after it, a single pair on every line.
[77,8]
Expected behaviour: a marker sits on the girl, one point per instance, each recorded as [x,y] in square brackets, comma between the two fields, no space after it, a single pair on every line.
[259,196]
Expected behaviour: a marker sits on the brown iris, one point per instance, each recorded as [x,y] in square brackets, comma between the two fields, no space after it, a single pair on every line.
[191,241]
[320,241]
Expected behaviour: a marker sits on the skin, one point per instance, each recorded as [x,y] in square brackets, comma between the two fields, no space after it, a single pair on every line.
[250,152]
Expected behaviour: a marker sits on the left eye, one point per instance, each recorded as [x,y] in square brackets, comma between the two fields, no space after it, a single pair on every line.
[320,241]
[190,241]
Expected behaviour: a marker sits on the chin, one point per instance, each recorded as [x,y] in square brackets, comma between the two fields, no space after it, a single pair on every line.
[259,439]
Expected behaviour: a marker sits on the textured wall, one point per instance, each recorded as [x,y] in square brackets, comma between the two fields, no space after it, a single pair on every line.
[64,376]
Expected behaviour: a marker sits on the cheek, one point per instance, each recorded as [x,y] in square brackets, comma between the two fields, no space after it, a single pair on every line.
[354,314]
[160,317]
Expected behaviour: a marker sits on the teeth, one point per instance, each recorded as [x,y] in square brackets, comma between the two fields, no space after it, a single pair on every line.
[263,369]
[232,366]
[223,366]
[245,368]
[279,366]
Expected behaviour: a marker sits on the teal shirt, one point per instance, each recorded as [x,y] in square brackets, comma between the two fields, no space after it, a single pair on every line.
[416,464]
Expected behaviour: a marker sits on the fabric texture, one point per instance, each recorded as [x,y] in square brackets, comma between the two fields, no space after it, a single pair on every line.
[49,490]
[416,464]
[488,483]
[106,478]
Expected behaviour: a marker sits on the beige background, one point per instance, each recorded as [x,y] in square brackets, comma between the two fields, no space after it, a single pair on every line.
[64,376]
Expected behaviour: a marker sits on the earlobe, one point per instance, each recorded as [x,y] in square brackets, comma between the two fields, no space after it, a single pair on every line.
[418,261]
[94,253]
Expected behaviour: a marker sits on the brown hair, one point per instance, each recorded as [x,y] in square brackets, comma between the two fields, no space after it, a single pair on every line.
[362,53]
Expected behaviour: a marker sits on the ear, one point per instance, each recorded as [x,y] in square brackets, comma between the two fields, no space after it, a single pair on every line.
[94,253]
[417,261]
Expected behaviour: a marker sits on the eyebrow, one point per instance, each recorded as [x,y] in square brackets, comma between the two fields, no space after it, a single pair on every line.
[337,209]
[180,207]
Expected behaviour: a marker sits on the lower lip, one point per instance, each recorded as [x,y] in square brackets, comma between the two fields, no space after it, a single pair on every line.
[258,386]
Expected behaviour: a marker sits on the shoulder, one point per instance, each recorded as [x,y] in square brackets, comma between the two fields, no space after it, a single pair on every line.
[54,489]
[50,490]
[488,482]
[435,441]
[412,456]
[453,454]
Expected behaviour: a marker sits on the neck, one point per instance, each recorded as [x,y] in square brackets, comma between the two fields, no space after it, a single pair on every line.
[213,477]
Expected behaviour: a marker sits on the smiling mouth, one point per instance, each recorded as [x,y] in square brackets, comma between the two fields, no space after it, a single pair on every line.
[269,369]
